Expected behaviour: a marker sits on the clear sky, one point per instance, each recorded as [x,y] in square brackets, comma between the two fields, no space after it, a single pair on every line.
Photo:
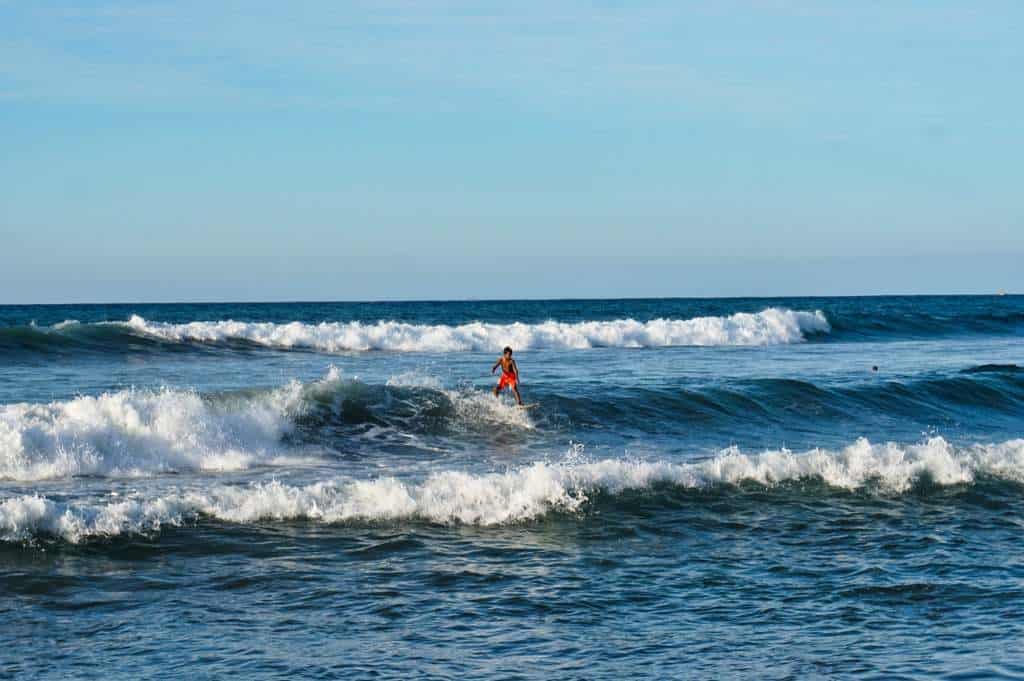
[189,150]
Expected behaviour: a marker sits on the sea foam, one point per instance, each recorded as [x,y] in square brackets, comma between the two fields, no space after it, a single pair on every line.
[520,494]
[769,327]
[138,433]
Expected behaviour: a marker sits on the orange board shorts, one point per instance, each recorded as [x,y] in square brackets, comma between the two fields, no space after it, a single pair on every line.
[507,381]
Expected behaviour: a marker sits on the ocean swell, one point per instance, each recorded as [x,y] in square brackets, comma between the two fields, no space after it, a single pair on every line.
[769,327]
[522,494]
[145,432]
[136,433]
[142,432]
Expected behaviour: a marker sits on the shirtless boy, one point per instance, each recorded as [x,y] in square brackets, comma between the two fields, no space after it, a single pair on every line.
[509,375]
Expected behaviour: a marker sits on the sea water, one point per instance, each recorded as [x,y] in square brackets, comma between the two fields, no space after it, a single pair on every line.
[769,488]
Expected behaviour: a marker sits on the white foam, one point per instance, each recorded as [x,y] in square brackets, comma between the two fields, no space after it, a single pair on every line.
[132,433]
[414,379]
[472,407]
[140,432]
[29,516]
[520,494]
[768,327]
[482,408]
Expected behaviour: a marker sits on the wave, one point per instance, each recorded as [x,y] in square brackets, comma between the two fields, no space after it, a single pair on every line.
[523,494]
[994,369]
[908,404]
[481,326]
[906,320]
[132,433]
[71,337]
[64,337]
[138,433]
[769,327]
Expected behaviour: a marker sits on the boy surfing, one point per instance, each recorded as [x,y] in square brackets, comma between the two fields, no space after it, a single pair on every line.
[509,375]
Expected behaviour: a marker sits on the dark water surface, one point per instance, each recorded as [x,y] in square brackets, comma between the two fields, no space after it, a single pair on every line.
[707,489]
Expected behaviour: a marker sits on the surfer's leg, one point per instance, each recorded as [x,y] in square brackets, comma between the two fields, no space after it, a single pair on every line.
[515,391]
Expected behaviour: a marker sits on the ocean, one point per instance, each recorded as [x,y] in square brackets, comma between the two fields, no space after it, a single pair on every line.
[717,488]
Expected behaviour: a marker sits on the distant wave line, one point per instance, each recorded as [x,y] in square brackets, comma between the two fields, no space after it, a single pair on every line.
[771,326]
[523,494]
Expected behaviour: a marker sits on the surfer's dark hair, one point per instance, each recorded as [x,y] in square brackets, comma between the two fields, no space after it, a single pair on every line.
[506,350]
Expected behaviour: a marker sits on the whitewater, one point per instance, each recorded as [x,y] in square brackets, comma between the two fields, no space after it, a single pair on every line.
[769,326]
[138,432]
[513,496]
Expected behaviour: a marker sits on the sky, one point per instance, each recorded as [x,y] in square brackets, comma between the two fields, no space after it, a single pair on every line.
[173,151]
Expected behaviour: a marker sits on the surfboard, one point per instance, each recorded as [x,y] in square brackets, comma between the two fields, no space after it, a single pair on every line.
[528,406]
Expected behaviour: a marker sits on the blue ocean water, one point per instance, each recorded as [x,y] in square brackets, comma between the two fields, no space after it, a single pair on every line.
[767,488]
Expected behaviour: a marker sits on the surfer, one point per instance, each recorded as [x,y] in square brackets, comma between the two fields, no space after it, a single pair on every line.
[509,375]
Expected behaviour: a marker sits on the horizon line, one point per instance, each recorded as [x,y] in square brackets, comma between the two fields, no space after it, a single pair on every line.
[374,301]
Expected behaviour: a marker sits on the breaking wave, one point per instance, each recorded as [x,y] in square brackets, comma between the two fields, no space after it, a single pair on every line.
[522,494]
[132,433]
[137,432]
[771,326]
[768,327]
[141,432]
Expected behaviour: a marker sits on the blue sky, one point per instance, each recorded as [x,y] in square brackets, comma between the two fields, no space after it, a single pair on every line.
[345,150]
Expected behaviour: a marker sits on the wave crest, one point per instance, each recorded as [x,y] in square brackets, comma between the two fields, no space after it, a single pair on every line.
[138,432]
[522,494]
[134,433]
[769,327]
